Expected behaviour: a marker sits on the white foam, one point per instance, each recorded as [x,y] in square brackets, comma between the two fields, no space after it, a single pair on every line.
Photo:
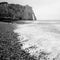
[39,36]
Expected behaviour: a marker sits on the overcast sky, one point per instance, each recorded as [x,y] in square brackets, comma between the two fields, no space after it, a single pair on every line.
[44,9]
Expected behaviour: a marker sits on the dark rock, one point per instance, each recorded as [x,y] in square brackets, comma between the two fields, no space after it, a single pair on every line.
[3,3]
[10,47]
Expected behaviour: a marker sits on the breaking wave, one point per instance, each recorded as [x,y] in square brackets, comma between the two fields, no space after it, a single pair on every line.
[40,40]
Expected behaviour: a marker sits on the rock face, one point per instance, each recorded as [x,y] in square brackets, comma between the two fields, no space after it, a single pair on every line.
[14,12]
[28,13]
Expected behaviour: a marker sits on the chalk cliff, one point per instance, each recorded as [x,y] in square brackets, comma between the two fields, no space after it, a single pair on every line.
[15,12]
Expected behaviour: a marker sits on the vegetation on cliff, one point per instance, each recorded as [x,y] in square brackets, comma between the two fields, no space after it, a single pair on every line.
[14,12]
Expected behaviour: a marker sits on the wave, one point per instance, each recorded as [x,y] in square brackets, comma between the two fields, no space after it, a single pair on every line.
[40,40]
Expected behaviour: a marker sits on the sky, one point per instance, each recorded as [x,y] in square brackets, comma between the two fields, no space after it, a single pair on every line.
[43,9]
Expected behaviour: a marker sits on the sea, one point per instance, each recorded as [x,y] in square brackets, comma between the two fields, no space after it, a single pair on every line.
[40,36]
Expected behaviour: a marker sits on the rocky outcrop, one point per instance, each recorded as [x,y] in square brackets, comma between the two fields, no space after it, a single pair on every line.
[15,12]
[28,13]
[10,47]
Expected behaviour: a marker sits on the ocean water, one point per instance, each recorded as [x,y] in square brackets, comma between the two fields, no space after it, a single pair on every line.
[40,37]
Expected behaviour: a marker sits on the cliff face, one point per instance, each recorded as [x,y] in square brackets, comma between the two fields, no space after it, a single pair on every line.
[15,12]
[28,13]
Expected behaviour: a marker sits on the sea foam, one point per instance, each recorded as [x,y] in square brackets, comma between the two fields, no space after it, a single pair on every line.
[37,38]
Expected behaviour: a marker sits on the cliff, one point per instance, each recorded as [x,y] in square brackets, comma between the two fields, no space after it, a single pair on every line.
[15,12]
